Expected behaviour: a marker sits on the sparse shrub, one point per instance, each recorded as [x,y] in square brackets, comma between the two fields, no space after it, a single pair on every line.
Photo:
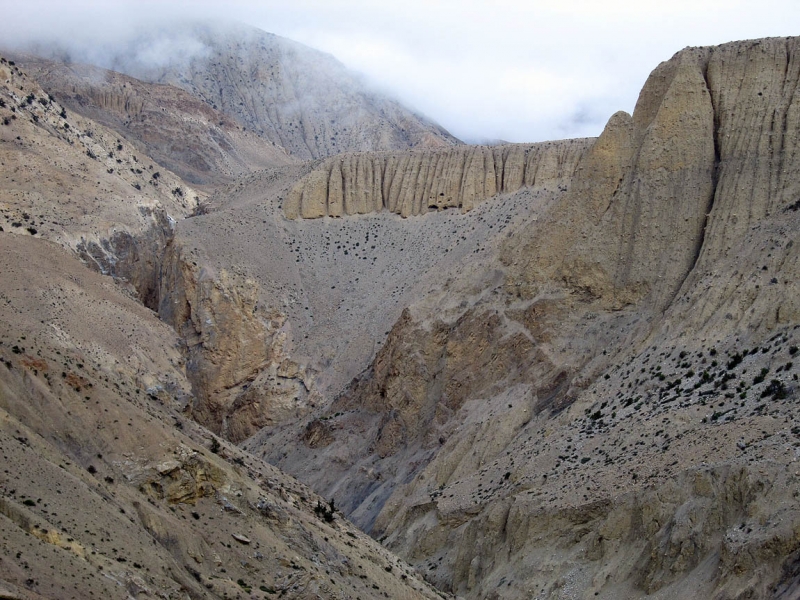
[776,389]
[325,512]
[735,360]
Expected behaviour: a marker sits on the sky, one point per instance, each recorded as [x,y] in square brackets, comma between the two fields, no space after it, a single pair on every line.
[520,71]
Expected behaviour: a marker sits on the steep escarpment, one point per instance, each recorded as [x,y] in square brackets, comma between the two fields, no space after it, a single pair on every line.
[634,219]
[604,407]
[184,134]
[242,375]
[418,182]
[751,229]
[302,100]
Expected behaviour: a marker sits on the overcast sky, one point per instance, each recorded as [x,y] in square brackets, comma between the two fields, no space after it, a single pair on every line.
[513,70]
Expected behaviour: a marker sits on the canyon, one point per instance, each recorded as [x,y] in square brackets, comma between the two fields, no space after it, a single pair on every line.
[565,369]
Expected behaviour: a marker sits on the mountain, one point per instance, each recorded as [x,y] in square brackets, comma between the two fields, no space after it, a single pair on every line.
[107,489]
[565,369]
[184,134]
[298,98]
[605,401]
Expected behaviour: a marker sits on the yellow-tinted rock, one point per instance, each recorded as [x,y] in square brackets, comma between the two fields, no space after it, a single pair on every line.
[416,182]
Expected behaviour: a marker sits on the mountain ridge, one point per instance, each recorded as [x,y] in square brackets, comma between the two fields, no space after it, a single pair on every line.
[579,385]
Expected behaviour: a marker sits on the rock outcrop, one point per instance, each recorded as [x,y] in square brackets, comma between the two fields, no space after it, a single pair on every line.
[415,183]
[237,358]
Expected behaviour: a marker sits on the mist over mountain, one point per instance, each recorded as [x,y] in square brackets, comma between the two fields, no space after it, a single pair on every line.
[295,97]
[265,332]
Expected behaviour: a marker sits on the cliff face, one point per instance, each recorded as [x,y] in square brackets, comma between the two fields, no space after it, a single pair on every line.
[587,409]
[667,194]
[184,134]
[634,220]
[415,183]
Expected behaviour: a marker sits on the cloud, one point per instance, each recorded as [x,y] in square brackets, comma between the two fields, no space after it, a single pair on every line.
[515,70]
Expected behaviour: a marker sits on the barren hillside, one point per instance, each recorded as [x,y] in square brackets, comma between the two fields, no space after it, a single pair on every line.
[606,404]
[301,99]
[184,134]
[555,370]
[108,490]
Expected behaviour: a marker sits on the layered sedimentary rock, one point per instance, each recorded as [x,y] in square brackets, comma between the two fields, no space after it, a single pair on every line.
[600,433]
[184,134]
[237,359]
[414,183]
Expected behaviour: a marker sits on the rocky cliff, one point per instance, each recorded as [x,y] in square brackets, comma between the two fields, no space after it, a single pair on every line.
[418,182]
[184,134]
[631,346]
[107,490]
[242,376]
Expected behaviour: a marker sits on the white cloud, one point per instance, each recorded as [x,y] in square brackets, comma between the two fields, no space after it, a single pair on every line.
[516,70]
